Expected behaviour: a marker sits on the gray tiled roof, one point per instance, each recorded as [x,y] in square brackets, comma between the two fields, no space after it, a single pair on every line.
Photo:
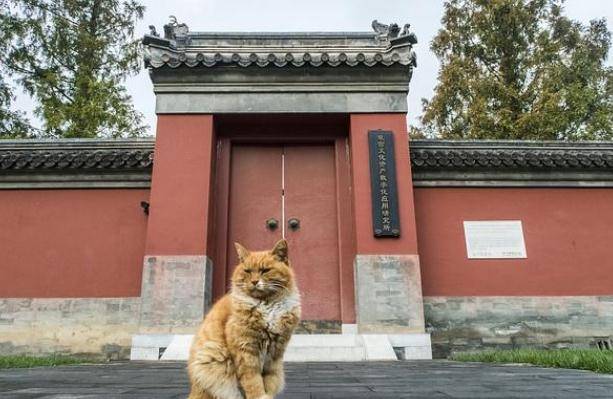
[49,155]
[203,49]
[434,162]
[486,154]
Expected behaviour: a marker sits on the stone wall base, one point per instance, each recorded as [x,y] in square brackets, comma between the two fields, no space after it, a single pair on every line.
[176,293]
[388,294]
[87,327]
[474,323]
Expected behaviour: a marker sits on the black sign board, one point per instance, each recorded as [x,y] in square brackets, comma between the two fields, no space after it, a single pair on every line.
[385,218]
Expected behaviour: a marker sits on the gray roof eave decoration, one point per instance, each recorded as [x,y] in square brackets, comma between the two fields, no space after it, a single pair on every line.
[95,163]
[180,47]
[511,163]
[76,163]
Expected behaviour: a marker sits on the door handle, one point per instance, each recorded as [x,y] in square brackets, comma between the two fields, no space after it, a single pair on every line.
[272,224]
[293,223]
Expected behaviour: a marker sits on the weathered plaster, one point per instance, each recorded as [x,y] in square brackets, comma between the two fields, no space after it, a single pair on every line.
[93,327]
[176,293]
[286,102]
[388,294]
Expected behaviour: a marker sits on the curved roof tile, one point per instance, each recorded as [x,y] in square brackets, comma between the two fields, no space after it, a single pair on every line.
[315,49]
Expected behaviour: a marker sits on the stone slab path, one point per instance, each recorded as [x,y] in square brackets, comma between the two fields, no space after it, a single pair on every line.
[415,379]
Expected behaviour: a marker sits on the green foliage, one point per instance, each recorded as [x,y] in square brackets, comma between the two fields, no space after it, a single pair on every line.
[13,124]
[582,359]
[7,362]
[520,69]
[416,132]
[72,57]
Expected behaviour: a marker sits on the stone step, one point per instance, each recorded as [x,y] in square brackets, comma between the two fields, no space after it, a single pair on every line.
[302,347]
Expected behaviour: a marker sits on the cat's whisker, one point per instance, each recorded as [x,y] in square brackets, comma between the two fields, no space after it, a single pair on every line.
[277,285]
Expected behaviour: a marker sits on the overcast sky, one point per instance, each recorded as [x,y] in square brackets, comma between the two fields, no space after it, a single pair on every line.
[318,15]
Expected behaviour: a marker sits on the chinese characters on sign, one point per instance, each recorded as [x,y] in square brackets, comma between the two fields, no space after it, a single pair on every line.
[385,218]
[495,239]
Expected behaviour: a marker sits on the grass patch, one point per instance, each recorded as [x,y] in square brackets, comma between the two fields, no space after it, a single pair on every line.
[581,359]
[9,362]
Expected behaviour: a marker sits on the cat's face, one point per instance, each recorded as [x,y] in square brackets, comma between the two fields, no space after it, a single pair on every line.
[263,274]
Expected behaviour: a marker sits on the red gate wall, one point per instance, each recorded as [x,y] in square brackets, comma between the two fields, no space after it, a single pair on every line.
[568,234]
[71,243]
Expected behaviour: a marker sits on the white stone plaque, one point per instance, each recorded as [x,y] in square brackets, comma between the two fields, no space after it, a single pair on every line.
[493,239]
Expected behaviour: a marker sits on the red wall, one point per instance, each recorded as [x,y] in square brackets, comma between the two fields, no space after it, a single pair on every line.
[71,243]
[568,235]
[180,186]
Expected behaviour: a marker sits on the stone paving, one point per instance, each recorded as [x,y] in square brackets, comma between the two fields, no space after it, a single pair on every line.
[415,379]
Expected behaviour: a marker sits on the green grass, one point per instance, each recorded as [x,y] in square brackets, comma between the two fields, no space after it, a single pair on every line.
[581,359]
[9,362]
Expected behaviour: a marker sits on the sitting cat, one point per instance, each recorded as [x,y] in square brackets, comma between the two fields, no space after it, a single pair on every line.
[238,351]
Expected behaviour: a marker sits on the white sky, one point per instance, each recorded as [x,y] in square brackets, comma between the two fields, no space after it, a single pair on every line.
[317,15]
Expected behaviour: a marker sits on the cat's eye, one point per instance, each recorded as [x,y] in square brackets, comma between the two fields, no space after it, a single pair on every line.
[264,270]
[248,270]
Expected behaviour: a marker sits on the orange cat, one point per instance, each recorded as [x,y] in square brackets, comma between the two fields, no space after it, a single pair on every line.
[238,351]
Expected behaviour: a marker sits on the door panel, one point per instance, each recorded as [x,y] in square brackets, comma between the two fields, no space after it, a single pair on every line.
[307,174]
[255,196]
[310,196]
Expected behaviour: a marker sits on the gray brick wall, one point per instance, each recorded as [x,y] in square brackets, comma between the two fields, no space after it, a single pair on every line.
[470,323]
[89,327]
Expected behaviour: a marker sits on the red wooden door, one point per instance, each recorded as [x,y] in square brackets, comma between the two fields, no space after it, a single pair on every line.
[255,196]
[285,182]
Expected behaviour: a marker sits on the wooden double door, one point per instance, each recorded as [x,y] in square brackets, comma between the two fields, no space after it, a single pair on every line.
[289,191]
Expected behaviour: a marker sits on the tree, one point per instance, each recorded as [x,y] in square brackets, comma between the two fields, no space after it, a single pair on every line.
[417,133]
[13,124]
[520,69]
[72,57]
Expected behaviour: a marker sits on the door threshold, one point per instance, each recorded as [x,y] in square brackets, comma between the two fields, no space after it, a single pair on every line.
[302,347]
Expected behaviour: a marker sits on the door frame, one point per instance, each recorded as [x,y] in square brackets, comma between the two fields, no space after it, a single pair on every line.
[286,129]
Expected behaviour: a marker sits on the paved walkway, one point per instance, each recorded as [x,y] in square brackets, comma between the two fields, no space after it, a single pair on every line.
[418,379]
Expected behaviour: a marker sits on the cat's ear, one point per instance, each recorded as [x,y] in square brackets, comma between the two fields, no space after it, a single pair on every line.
[280,251]
[241,251]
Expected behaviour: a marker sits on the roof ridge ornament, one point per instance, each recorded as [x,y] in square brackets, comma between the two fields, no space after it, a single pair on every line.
[392,32]
[153,32]
[390,45]
[174,30]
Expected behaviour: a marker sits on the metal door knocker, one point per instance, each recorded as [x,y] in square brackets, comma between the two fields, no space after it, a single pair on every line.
[293,223]
[272,224]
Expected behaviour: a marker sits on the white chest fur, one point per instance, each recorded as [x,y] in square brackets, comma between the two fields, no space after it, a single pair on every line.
[272,312]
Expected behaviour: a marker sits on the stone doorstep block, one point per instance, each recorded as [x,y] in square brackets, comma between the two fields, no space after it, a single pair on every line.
[418,353]
[410,340]
[144,353]
[302,347]
[332,354]
[378,347]
[324,340]
[152,340]
[178,347]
